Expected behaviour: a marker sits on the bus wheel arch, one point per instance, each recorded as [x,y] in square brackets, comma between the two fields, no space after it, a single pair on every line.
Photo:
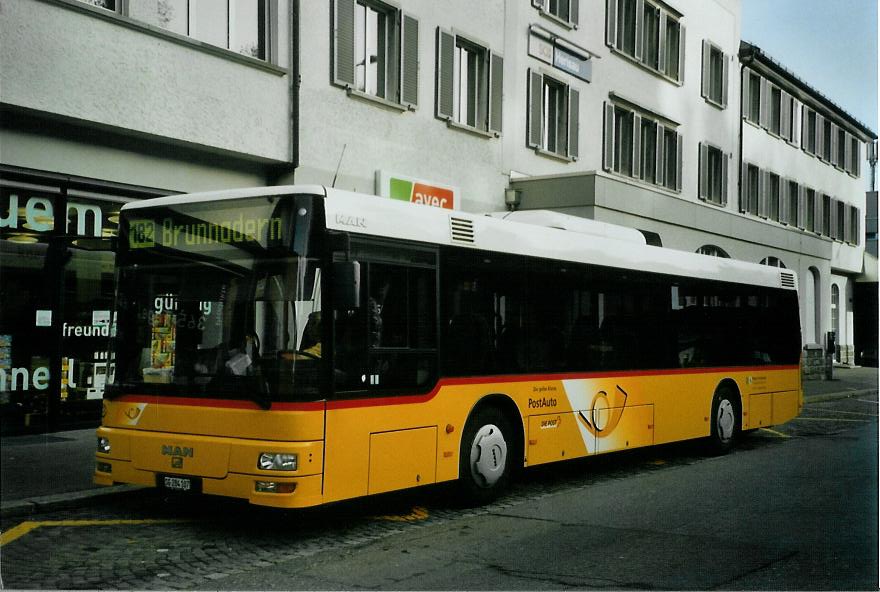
[726,417]
[491,448]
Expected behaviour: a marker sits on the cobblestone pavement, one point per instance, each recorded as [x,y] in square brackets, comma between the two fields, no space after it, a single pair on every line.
[151,541]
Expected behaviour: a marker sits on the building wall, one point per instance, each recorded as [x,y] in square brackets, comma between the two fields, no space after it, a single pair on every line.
[68,60]
[377,137]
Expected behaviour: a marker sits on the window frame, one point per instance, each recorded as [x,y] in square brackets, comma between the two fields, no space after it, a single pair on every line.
[712,78]
[565,112]
[487,106]
[628,160]
[626,35]
[567,18]
[713,169]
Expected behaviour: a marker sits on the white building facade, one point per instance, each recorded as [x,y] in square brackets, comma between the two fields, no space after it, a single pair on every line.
[624,111]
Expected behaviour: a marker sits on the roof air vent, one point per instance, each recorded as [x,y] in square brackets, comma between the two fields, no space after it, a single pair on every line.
[462,230]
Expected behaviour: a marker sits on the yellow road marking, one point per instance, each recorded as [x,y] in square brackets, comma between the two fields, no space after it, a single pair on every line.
[29,525]
[829,419]
[775,433]
[418,513]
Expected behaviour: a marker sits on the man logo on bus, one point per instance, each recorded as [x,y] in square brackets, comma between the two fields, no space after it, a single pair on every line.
[142,234]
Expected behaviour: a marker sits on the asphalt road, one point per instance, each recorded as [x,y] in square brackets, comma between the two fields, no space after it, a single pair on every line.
[794,507]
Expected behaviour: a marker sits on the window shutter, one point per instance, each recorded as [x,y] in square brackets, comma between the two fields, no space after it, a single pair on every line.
[856,225]
[744,188]
[681,45]
[746,103]
[609,140]
[805,116]
[535,133]
[762,193]
[611,23]
[574,12]
[445,74]
[679,161]
[802,207]
[820,136]
[724,164]
[409,61]
[847,224]
[784,191]
[764,118]
[834,144]
[343,42]
[817,213]
[637,145]
[659,167]
[707,64]
[496,92]
[785,115]
[661,44]
[640,26]
[573,122]
[847,152]
[857,160]
[794,138]
[833,222]
[725,74]
[703,164]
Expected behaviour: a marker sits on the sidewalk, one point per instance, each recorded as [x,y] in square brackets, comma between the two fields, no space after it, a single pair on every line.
[55,470]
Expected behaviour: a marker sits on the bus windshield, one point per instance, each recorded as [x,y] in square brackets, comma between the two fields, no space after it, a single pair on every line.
[220,300]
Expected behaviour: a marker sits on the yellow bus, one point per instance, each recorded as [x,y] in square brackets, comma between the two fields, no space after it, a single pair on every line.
[299,345]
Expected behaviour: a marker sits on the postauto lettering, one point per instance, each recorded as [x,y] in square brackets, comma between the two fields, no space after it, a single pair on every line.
[144,233]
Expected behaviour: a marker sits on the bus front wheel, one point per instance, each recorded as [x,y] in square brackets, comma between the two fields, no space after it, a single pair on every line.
[725,420]
[486,455]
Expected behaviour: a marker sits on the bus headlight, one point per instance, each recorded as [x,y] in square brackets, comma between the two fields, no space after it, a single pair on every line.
[104,445]
[277,461]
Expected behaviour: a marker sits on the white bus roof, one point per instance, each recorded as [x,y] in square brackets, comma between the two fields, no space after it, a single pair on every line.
[545,234]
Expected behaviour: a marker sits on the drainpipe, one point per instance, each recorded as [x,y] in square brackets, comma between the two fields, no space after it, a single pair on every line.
[277,172]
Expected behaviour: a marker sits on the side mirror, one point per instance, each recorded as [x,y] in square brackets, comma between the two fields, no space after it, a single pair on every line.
[346,284]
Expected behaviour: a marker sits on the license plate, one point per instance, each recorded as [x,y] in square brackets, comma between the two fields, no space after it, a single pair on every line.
[178,483]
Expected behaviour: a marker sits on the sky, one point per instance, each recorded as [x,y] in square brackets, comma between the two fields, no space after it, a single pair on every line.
[829,44]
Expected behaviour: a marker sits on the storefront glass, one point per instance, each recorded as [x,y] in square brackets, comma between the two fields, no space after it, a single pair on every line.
[56,296]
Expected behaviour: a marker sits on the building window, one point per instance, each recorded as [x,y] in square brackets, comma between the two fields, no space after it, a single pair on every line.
[793,217]
[771,196]
[651,36]
[469,83]
[840,222]
[855,157]
[854,217]
[713,174]
[714,86]
[808,137]
[237,25]
[810,208]
[826,140]
[773,262]
[638,35]
[826,215]
[648,151]
[105,4]
[841,149]
[563,10]
[775,115]
[750,189]
[375,51]
[752,98]
[553,116]
[637,144]
[671,159]
[713,251]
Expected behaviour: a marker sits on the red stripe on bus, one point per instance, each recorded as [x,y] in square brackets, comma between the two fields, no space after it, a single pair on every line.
[445,382]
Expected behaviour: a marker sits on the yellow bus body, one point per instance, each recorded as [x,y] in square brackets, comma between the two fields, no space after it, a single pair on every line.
[353,448]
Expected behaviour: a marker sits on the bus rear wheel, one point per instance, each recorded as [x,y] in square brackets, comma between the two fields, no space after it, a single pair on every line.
[725,420]
[485,461]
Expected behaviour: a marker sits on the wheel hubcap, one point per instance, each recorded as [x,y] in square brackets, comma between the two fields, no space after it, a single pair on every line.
[725,420]
[488,455]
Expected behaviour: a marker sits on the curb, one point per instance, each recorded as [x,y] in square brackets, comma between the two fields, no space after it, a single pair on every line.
[838,395]
[60,501]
